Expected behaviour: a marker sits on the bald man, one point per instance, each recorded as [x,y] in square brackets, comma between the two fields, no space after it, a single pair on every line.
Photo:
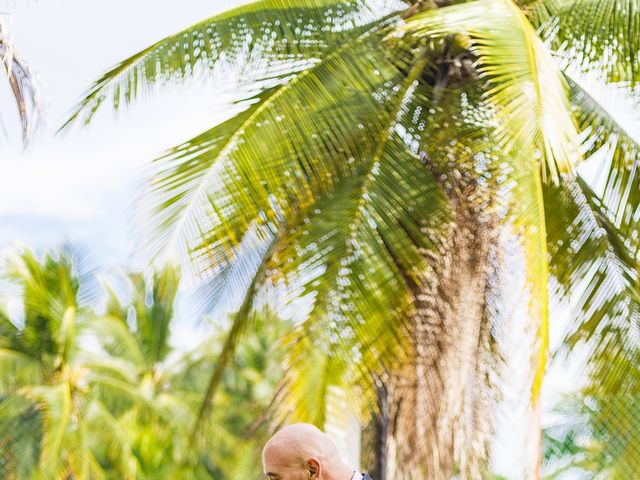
[303,452]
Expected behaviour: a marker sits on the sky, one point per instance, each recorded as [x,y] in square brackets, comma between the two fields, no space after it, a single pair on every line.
[81,186]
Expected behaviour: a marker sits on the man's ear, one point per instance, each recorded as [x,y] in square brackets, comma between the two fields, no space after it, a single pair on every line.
[314,468]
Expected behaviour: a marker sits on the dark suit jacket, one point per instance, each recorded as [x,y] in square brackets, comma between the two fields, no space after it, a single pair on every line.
[365,477]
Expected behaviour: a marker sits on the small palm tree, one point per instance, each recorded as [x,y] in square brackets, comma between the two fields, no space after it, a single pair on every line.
[155,392]
[49,423]
[385,150]
[133,378]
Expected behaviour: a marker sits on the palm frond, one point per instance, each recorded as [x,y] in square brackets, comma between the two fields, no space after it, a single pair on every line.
[601,263]
[20,426]
[357,256]
[594,246]
[51,309]
[118,367]
[184,175]
[23,86]
[241,191]
[55,404]
[239,323]
[262,39]
[598,36]
[153,303]
[525,87]
[104,426]
[17,370]
[368,186]
[117,340]
[616,154]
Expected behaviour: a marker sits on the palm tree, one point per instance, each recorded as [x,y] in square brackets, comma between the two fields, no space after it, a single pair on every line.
[154,391]
[132,375]
[22,83]
[48,421]
[385,150]
[236,430]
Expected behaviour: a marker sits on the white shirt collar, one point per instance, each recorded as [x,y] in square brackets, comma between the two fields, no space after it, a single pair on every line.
[356,476]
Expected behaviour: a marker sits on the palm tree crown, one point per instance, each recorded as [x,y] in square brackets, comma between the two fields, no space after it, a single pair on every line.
[384,151]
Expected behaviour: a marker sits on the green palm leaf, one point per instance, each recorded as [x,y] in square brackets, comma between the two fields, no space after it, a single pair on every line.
[358,270]
[179,187]
[242,191]
[382,129]
[265,38]
[593,264]
[55,405]
[526,89]
[617,153]
[599,36]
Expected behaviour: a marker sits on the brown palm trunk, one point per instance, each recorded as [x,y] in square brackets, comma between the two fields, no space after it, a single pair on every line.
[441,399]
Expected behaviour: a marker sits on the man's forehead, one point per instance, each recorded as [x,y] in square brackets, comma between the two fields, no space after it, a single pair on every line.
[274,461]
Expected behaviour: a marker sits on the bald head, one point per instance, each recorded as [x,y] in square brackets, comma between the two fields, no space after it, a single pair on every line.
[302,451]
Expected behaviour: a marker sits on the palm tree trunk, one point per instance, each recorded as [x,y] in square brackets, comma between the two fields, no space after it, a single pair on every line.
[441,399]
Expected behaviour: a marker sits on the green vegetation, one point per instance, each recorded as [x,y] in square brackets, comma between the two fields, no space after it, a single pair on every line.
[386,155]
[124,407]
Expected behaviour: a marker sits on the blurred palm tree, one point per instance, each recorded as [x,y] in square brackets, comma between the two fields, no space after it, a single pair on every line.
[154,390]
[132,376]
[107,396]
[595,437]
[48,421]
[22,83]
[236,430]
[385,151]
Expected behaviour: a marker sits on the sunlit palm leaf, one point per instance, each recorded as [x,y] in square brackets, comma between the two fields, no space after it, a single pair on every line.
[593,264]
[55,405]
[381,129]
[241,189]
[617,154]
[526,88]
[179,187]
[600,36]
[239,324]
[263,38]
[598,273]
[355,266]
